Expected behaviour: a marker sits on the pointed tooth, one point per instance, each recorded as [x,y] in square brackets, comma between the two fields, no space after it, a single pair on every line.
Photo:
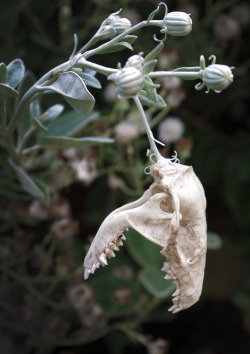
[113,246]
[103,259]
[119,243]
[176,293]
[168,276]
[97,265]
[177,310]
[86,273]
[166,267]
[93,268]
[110,253]
[123,237]
[127,229]
[173,308]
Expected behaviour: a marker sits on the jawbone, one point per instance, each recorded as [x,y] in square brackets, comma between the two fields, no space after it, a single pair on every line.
[171,213]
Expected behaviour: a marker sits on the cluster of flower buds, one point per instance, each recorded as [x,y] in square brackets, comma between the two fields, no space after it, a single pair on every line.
[113,26]
[130,79]
[177,23]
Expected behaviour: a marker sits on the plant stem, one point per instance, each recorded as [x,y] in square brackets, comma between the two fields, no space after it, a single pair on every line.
[193,75]
[121,36]
[151,139]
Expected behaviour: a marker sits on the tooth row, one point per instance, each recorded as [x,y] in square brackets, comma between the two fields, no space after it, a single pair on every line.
[108,252]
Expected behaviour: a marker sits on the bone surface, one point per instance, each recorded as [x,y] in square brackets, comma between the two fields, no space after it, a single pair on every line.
[171,213]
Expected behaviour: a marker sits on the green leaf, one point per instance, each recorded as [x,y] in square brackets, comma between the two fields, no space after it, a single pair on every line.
[149,66]
[147,101]
[30,184]
[69,124]
[27,81]
[155,52]
[7,91]
[152,15]
[90,80]
[54,112]
[42,188]
[153,281]
[214,241]
[16,72]
[3,73]
[66,142]
[35,109]
[74,91]
[142,250]
[125,43]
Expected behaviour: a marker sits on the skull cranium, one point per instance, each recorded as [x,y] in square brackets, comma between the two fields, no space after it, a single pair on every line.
[171,213]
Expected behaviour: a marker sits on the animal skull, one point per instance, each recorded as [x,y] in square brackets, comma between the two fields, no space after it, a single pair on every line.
[171,213]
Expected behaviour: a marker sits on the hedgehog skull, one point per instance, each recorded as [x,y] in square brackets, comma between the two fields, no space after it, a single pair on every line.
[171,213]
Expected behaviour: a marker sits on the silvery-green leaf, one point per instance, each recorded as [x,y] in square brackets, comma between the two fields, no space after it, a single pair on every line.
[27,81]
[149,66]
[31,185]
[35,109]
[90,80]
[67,142]
[152,15]
[187,69]
[54,111]
[16,72]
[153,280]
[155,52]
[74,91]
[147,101]
[7,91]
[3,73]
[69,124]
[125,43]
[214,241]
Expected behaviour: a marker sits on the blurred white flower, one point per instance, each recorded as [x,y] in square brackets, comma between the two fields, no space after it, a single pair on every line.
[170,83]
[175,97]
[226,27]
[110,92]
[86,170]
[170,130]
[126,130]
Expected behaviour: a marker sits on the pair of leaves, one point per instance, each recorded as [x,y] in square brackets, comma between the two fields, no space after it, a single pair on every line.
[10,77]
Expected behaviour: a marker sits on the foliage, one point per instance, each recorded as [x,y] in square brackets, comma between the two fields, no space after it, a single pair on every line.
[68,158]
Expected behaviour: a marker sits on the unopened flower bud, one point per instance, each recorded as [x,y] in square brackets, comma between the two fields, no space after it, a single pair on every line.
[177,23]
[217,77]
[129,81]
[135,61]
[121,25]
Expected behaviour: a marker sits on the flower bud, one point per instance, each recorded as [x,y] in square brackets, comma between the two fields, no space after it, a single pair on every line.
[217,77]
[177,23]
[121,25]
[135,61]
[129,81]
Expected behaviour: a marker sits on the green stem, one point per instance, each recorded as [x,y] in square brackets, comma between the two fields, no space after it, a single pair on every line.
[182,75]
[99,68]
[121,36]
[151,139]
[26,138]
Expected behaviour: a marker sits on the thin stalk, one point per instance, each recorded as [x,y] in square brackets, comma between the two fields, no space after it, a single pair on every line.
[121,36]
[99,68]
[186,75]
[26,138]
[151,138]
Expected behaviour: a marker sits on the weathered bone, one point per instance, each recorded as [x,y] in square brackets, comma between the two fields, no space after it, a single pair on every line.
[171,213]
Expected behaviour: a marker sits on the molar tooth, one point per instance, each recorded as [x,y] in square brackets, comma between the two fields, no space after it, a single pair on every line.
[103,259]
[109,252]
